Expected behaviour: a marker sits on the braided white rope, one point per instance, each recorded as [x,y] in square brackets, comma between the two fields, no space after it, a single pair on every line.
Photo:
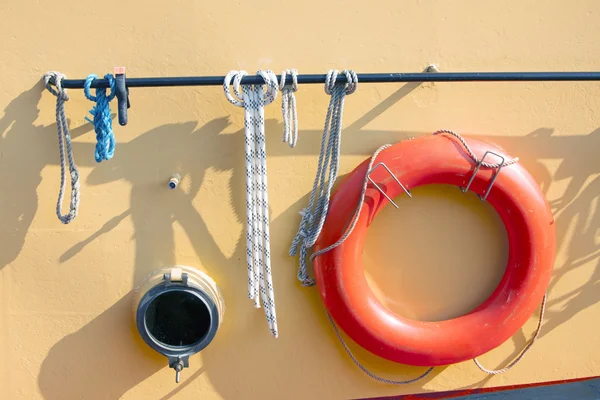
[54,78]
[253,99]
[313,216]
[288,107]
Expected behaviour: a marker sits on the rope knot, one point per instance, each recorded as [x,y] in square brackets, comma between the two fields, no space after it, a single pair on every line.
[351,81]
[294,86]
[271,82]
[105,146]
[53,82]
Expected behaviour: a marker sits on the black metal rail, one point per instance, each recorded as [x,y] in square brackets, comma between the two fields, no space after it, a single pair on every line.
[362,78]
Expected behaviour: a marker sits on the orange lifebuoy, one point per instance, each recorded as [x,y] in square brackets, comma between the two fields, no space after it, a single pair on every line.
[436,159]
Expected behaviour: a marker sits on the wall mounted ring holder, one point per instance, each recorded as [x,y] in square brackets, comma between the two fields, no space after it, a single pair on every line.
[178,311]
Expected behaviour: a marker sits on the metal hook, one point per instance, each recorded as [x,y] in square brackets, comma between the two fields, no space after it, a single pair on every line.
[122,94]
[382,164]
[489,188]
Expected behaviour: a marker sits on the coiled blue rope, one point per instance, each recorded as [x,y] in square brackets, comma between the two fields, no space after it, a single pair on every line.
[105,138]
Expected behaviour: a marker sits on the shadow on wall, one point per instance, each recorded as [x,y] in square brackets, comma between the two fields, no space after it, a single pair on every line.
[576,212]
[25,149]
[86,357]
[95,363]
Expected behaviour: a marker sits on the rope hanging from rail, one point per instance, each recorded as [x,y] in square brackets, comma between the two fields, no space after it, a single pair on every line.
[288,107]
[51,79]
[253,99]
[105,138]
[313,216]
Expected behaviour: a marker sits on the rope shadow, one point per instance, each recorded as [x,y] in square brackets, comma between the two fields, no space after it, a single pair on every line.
[25,150]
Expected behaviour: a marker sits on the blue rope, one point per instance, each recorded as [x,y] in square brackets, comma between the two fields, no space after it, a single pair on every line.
[105,145]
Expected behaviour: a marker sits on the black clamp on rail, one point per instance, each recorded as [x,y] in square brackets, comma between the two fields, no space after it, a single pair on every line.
[122,94]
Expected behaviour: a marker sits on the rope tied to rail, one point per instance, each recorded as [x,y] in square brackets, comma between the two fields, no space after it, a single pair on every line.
[313,216]
[52,81]
[105,138]
[253,99]
[288,107]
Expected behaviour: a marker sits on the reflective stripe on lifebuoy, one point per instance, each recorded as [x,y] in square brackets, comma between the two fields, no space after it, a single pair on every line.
[436,160]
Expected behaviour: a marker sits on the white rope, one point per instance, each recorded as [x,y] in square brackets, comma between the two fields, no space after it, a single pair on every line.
[51,79]
[288,107]
[258,254]
[313,217]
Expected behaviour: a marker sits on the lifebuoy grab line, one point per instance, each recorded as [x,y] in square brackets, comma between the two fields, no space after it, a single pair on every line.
[436,159]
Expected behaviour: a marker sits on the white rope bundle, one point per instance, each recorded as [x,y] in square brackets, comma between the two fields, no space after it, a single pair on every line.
[51,79]
[258,257]
[288,107]
[313,216]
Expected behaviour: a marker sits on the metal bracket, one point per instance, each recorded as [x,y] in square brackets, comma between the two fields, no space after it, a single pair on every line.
[382,164]
[489,188]
[122,93]
[432,68]
[169,282]
[178,364]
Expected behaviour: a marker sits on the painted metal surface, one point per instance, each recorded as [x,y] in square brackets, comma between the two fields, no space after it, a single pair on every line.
[576,389]
[66,330]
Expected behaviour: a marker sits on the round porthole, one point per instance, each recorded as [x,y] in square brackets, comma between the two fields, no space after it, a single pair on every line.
[178,311]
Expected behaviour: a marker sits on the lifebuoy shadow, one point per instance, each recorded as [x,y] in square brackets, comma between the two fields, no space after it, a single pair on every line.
[576,218]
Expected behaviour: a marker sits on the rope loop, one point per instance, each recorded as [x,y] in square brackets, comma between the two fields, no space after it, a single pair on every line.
[105,138]
[288,107]
[294,74]
[314,215]
[271,82]
[99,91]
[54,78]
[237,81]
[330,79]
[351,81]
[231,75]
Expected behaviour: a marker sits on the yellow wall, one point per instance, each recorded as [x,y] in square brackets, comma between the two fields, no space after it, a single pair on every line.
[66,328]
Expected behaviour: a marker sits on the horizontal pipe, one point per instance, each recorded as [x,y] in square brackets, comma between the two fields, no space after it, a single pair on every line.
[362,78]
